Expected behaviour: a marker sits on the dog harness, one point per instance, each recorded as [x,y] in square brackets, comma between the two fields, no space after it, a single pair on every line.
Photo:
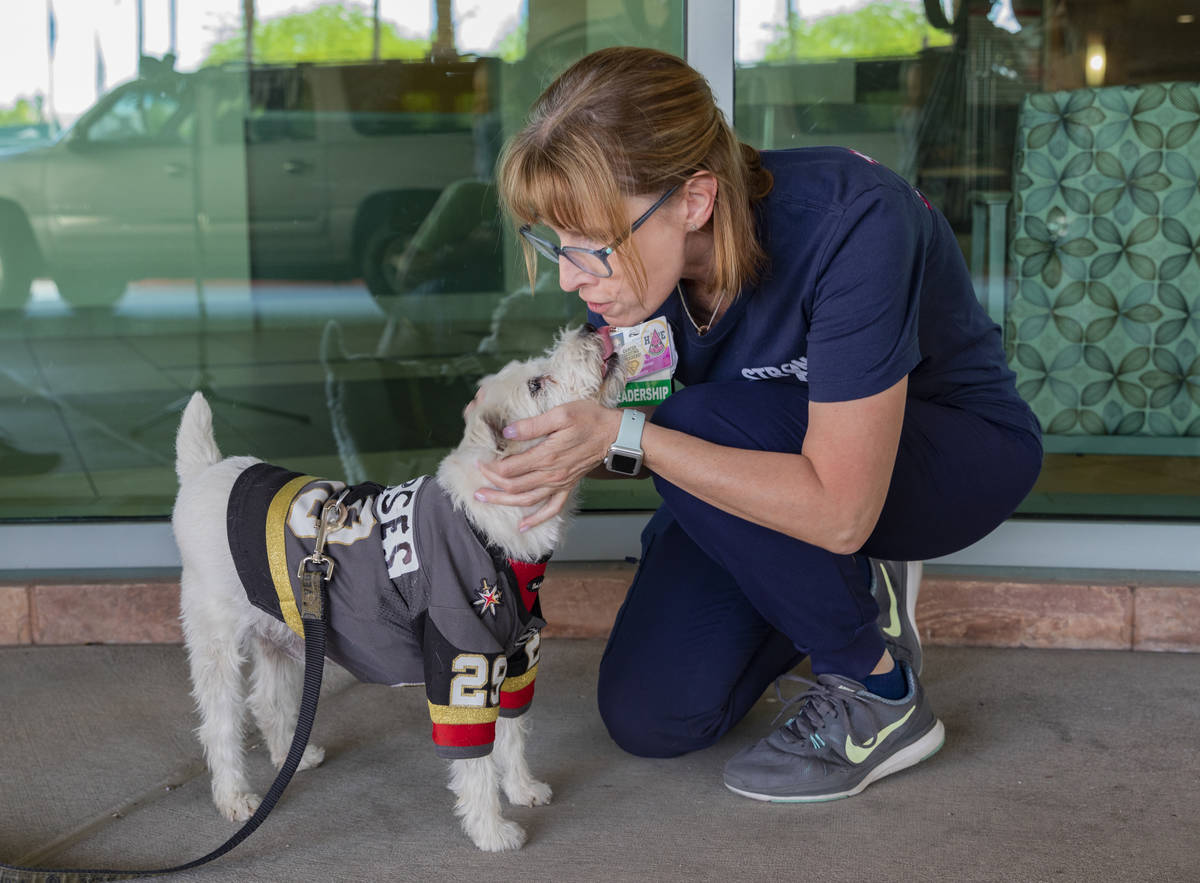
[417,596]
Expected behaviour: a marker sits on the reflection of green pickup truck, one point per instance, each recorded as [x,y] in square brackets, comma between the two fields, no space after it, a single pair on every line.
[25,135]
[288,172]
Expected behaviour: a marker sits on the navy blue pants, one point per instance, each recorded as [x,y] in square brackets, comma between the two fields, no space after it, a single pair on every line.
[720,607]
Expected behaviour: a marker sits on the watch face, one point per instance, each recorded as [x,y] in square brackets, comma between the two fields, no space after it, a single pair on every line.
[624,464]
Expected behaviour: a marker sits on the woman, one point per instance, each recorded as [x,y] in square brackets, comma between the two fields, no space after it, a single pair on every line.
[846,404]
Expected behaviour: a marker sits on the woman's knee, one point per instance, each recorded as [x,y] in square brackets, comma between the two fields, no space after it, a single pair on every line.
[647,724]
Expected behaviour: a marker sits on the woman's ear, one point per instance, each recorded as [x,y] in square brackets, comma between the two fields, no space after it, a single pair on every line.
[699,195]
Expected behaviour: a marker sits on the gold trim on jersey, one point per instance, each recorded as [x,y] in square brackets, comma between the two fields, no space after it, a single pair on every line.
[281,574]
[519,682]
[459,714]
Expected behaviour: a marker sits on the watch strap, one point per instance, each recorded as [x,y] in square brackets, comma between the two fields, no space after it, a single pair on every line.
[629,436]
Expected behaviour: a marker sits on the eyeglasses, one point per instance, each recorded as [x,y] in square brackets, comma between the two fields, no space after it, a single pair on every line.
[593,261]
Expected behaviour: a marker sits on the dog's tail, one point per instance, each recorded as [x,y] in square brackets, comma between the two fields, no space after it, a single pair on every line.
[195,445]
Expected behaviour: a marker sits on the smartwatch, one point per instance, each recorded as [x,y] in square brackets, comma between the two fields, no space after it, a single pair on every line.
[625,455]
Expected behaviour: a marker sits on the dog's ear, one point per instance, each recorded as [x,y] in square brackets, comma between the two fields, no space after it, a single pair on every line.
[495,424]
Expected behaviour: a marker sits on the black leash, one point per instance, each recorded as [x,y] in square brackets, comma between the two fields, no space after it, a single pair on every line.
[312,613]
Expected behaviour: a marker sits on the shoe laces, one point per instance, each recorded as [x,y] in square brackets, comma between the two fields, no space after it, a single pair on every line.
[819,705]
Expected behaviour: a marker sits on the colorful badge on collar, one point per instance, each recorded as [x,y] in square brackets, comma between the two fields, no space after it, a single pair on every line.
[489,597]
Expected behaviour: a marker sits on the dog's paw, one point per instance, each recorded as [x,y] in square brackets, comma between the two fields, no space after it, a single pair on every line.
[528,793]
[238,806]
[497,836]
[313,755]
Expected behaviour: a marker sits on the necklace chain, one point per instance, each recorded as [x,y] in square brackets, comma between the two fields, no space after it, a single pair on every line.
[700,329]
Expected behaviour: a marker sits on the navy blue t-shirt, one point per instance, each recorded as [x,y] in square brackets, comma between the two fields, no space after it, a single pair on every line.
[865,284]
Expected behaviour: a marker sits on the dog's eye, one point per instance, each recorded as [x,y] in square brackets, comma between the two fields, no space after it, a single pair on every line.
[535,385]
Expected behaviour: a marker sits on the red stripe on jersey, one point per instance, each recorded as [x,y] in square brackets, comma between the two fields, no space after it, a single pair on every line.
[517,698]
[464,735]
[529,577]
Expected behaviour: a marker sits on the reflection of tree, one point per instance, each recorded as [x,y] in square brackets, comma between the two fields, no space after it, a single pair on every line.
[443,33]
[889,28]
[248,30]
[512,45]
[331,32]
[22,113]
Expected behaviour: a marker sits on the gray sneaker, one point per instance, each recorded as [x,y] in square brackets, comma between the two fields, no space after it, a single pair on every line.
[840,740]
[894,585]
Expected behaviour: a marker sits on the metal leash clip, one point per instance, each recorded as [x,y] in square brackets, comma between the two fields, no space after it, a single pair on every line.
[317,569]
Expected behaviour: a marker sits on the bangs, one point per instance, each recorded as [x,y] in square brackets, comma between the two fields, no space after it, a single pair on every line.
[568,184]
[624,122]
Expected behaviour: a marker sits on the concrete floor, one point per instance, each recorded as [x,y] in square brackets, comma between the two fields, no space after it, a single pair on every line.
[1058,765]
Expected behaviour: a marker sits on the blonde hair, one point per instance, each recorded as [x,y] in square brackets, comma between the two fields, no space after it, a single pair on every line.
[628,121]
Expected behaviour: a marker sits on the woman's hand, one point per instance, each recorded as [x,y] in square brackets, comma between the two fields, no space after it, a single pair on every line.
[577,436]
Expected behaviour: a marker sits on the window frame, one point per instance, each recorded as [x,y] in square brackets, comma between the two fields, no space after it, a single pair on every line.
[1085,544]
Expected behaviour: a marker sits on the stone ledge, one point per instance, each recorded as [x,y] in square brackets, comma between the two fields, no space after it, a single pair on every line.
[14,615]
[581,600]
[105,613]
[1166,618]
[973,612]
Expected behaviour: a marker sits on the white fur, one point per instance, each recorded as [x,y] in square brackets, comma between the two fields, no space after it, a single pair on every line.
[223,631]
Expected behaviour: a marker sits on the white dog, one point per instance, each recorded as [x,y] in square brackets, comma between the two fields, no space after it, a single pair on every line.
[426,585]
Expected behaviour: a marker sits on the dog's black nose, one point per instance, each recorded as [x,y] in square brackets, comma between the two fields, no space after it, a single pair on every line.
[588,328]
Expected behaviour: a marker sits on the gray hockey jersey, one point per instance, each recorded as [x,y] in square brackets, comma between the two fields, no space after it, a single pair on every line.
[416,596]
